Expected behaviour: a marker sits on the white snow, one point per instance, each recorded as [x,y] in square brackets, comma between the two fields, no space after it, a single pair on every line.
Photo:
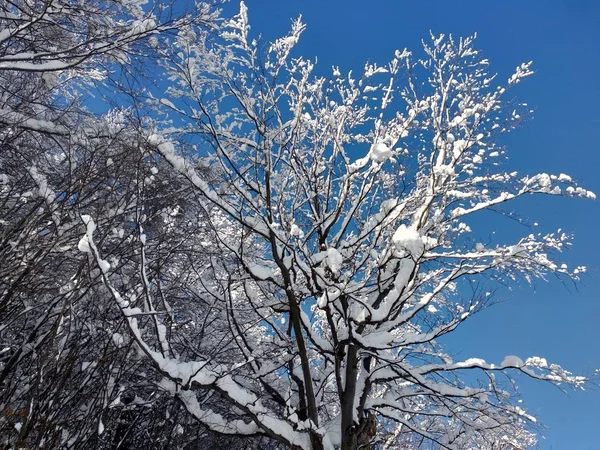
[380,152]
[332,433]
[167,102]
[104,265]
[474,362]
[118,339]
[358,164]
[511,360]
[458,146]
[517,250]
[444,170]
[27,122]
[43,190]
[329,295]
[261,272]
[334,260]
[543,180]
[564,177]
[84,244]
[296,231]
[536,361]
[409,239]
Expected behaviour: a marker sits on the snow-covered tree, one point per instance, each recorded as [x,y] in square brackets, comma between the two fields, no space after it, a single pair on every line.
[344,243]
[244,254]
[66,368]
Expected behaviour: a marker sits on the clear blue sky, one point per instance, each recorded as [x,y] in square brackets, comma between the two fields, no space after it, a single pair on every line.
[563,39]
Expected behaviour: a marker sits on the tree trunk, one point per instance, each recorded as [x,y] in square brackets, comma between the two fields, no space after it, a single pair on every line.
[349,438]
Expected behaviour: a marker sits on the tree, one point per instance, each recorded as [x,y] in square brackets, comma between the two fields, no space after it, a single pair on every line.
[335,275]
[66,373]
[274,253]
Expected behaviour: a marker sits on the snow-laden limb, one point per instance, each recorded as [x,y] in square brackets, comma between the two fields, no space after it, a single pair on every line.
[14,118]
[182,376]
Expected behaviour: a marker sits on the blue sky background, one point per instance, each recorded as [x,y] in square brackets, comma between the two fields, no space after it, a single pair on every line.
[561,323]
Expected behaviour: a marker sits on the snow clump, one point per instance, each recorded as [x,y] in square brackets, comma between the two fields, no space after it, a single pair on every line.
[408,239]
[380,152]
[334,260]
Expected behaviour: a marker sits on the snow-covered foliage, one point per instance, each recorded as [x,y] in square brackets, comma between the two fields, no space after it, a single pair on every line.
[267,253]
